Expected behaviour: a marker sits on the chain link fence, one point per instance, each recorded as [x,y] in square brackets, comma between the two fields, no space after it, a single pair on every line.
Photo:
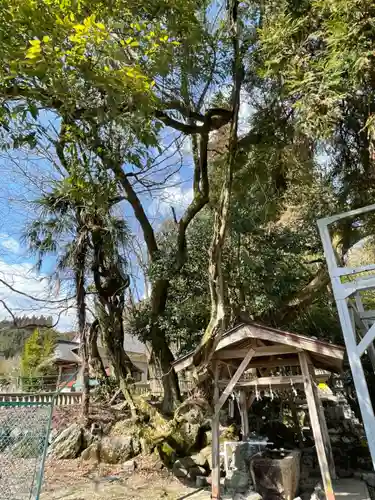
[24,432]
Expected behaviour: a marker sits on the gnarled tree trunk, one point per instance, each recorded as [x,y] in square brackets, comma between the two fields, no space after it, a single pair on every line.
[80,268]
[220,313]
[111,283]
[95,360]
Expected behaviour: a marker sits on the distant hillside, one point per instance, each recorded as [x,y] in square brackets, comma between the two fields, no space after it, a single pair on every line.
[12,338]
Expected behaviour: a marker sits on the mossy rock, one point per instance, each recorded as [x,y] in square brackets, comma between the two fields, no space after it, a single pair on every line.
[229,434]
[166,453]
[124,428]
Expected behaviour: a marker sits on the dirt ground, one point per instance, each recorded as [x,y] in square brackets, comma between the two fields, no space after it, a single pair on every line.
[77,480]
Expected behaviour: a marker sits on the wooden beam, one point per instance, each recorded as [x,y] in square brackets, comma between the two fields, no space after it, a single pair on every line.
[215,427]
[316,428]
[250,400]
[274,362]
[229,388]
[322,420]
[244,415]
[272,350]
[275,381]
[252,331]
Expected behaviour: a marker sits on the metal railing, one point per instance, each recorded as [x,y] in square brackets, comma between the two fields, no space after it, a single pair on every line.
[60,399]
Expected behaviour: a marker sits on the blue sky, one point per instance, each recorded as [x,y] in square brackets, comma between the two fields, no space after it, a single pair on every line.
[23,174]
[26,175]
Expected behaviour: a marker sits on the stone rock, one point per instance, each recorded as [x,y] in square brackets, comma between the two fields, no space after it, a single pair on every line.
[190,432]
[369,478]
[318,493]
[334,431]
[186,462]
[201,481]
[347,440]
[344,473]
[91,453]
[146,448]
[96,429]
[243,454]
[186,468]
[207,452]
[335,439]
[196,471]
[114,450]
[166,453]
[137,448]
[87,439]
[193,416]
[250,495]
[200,459]
[208,437]
[228,434]
[129,466]
[179,470]
[237,481]
[52,436]
[68,443]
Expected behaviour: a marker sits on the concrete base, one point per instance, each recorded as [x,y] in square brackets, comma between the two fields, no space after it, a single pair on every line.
[345,489]
[351,489]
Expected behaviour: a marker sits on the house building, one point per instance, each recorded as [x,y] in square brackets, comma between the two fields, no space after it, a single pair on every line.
[68,361]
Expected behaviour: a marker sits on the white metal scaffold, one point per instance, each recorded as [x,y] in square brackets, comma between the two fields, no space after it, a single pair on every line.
[358,324]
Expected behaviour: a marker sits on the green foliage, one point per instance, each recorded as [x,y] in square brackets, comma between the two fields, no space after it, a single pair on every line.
[98,60]
[12,338]
[32,354]
[187,310]
[37,358]
[324,52]
[109,71]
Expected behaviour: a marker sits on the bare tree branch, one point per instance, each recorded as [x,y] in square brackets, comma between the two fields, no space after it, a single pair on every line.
[32,325]
[36,299]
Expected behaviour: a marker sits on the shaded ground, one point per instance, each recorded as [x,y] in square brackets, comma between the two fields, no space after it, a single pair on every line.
[76,480]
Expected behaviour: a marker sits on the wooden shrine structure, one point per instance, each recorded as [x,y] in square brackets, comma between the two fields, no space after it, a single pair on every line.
[256,350]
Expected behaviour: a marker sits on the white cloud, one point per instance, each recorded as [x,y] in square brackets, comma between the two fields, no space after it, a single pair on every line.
[245,113]
[22,277]
[9,243]
[171,196]
[187,149]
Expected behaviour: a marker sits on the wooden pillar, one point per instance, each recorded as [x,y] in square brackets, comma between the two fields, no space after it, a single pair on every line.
[316,426]
[233,381]
[244,415]
[59,377]
[323,425]
[218,404]
[215,492]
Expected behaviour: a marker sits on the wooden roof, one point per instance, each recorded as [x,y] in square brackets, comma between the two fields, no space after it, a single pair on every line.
[272,346]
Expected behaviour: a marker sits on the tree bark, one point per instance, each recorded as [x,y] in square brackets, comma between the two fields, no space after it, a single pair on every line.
[111,284]
[113,334]
[81,313]
[218,291]
[213,119]
[95,360]
[161,356]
